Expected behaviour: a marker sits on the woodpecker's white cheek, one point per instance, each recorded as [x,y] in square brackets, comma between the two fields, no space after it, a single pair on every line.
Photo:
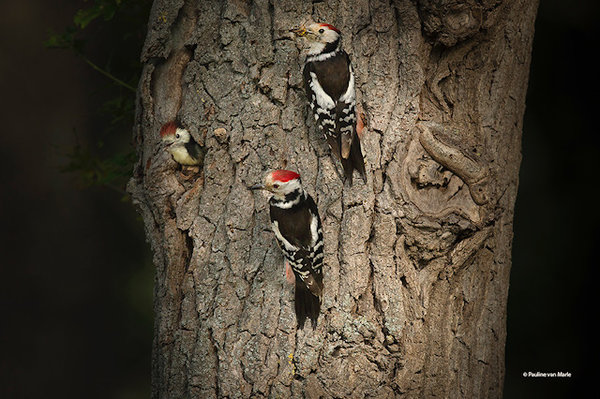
[330,36]
[316,48]
[183,136]
[285,189]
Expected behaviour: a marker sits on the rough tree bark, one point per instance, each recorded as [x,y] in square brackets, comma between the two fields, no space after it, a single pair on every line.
[417,261]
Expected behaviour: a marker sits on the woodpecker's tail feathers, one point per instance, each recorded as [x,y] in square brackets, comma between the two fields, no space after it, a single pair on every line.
[346,145]
[306,304]
[357,157]
[355,161]
[334,146]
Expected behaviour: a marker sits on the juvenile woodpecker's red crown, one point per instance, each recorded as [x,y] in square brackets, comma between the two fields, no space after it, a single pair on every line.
[330,27]
[283,175]
[168,129]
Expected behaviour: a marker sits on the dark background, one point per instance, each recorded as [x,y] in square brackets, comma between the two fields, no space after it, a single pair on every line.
[552,312]
[76,274]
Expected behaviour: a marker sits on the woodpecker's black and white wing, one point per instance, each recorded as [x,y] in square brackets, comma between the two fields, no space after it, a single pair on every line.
[329,85]
[298,231]
[195,151]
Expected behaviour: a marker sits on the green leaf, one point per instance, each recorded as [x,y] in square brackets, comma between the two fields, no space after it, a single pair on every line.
[83,17]
[61,40]
[102,8]
[66,40]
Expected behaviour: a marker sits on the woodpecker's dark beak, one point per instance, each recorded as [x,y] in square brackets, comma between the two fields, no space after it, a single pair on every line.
[299,31]
[166,143]
[257,187]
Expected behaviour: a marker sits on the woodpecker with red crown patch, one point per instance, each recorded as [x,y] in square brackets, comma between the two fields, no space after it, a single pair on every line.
[181,145]
[297,227]
[329,84]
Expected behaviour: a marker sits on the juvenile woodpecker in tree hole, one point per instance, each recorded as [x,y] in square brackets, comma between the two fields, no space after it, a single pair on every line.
[329,84]
[297,227]
[181,145]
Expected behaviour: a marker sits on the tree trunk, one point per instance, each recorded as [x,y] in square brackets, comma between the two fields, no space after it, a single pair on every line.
[417,260]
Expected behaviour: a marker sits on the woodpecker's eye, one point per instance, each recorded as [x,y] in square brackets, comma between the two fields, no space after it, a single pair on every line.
[321,30]
[275,185]
[177,136]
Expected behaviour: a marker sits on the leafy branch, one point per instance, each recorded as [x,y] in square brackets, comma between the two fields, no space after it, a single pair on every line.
[94,30]
[70,40]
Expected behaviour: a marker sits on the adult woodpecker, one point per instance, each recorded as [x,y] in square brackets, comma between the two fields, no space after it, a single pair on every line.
[329,84]
[297,227]
[181,145]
